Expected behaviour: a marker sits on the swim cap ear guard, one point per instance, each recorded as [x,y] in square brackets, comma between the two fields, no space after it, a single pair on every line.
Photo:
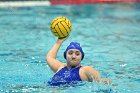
[74,45]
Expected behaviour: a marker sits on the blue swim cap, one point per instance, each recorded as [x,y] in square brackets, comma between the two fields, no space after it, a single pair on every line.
[74,45]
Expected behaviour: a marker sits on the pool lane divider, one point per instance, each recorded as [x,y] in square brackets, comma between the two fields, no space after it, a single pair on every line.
[59,2]
[78,2]
[24,3]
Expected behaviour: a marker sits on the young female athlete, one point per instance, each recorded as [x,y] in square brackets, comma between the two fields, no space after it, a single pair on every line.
[72,71]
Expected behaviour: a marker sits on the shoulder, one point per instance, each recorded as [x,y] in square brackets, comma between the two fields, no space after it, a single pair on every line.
[89,69]
[85,68]
[86,73]
[91,73]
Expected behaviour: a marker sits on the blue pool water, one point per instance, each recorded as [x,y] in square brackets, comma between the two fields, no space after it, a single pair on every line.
[108,33]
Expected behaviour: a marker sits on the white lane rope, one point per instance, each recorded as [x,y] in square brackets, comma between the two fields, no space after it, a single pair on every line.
[24,3]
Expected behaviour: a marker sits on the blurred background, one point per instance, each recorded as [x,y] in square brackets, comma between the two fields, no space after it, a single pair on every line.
[108,33]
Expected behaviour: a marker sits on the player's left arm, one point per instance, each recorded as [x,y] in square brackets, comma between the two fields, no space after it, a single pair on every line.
[94,76]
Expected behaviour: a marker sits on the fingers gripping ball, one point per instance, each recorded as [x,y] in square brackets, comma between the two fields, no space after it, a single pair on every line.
[61,27]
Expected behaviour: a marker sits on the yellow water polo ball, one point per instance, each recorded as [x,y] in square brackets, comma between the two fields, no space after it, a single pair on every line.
[61,27]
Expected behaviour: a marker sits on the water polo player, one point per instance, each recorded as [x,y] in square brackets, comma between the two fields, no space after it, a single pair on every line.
[71,72]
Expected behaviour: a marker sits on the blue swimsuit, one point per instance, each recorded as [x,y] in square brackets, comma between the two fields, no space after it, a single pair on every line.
[66,77]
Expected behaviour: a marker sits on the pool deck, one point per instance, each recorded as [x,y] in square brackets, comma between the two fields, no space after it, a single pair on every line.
[23,3]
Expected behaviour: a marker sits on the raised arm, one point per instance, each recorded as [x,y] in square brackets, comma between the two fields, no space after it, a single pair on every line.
[51,56]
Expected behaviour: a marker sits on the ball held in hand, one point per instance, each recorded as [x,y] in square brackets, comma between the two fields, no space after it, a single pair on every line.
[61,27]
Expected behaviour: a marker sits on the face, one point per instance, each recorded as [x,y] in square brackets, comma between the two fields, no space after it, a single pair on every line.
[73,57]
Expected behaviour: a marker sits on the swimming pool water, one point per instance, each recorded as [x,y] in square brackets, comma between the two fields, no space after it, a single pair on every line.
[108,33]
